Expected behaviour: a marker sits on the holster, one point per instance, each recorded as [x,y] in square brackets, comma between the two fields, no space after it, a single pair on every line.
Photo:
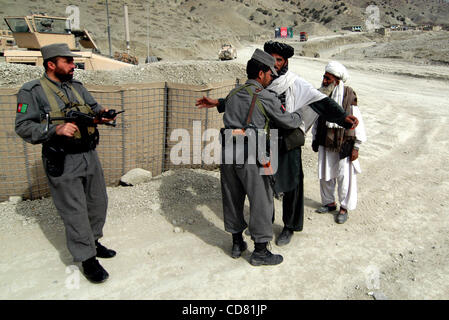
[247,135]
[292,138]
[54,157]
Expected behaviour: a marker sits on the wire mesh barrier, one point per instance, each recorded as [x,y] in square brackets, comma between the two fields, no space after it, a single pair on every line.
[159,126]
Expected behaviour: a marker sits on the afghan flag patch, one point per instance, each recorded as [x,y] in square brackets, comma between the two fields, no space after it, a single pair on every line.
[22,107]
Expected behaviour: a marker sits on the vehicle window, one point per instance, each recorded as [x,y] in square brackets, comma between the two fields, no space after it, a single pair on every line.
[80,65]
[50,25]
[17,24]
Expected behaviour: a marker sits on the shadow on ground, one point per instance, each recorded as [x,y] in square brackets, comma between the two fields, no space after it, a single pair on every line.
[44,213]
[191,200]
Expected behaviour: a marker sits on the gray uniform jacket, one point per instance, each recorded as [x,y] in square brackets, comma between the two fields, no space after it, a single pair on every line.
[28,124]
[237,108]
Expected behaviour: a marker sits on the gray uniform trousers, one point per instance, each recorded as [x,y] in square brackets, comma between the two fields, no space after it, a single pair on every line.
[237,181]
[80,197]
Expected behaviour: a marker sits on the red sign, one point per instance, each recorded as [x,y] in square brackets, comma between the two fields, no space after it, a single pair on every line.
[284,32]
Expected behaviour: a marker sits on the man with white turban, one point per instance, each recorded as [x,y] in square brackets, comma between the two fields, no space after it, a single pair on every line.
[337,147]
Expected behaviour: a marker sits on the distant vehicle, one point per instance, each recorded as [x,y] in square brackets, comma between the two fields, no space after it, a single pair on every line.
[35,31]
[303,36]
[227,52]
[6,41]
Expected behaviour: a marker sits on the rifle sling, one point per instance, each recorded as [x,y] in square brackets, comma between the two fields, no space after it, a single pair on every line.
[254,100]
[50,88]
[261,108]
[251,109]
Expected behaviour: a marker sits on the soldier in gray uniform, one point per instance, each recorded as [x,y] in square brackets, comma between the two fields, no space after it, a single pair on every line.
[70,161]
[245,179]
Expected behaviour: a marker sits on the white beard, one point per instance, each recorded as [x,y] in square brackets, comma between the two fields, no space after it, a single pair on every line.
[327,90]
[336,93]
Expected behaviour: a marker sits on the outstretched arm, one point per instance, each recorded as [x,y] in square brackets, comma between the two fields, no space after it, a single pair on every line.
[333,112]
[206,102]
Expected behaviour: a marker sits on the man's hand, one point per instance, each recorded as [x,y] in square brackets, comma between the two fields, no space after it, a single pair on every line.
[67,129]
[206,102]
[104,120]
[352,120]
[354,154]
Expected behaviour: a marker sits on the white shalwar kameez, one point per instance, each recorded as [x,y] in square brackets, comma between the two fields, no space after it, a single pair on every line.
[332,170]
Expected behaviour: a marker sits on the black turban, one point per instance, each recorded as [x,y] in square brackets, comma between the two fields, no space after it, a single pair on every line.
[284,50]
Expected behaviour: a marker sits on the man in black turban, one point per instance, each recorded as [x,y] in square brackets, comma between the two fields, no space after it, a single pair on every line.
[295,94]
[281,49]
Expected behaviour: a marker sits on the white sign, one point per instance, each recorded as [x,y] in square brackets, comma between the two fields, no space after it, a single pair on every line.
[73,13]
[373,18]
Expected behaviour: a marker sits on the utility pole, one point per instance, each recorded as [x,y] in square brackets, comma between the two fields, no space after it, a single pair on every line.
[126,28]
[109,29]
[148,31]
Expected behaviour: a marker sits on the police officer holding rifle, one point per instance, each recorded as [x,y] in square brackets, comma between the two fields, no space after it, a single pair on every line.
[74,172]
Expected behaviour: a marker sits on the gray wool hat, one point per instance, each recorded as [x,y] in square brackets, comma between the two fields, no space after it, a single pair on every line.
[57,50]
[266,59]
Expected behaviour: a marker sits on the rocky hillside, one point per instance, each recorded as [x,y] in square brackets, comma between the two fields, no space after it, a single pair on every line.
[192,28]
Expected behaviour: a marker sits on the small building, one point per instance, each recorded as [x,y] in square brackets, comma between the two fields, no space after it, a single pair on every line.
[353,28]
[383,31]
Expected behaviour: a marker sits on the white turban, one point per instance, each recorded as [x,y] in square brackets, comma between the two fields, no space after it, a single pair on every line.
[338,70]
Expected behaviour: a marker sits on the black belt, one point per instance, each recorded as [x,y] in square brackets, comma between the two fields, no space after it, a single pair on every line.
[71,149]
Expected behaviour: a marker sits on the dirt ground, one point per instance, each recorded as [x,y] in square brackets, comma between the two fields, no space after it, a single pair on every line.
[171,242]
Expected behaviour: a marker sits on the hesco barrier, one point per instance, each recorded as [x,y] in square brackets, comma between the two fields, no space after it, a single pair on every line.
[141,138]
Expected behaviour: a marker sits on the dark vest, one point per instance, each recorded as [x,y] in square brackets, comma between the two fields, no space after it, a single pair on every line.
[334,138]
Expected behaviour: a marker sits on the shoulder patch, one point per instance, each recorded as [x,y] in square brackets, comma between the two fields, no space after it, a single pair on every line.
[283,108]
[22,107]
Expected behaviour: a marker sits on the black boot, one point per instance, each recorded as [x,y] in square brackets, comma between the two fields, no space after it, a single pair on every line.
[93,271]
[103,252]
[285,237]
[262,256]
[238,245]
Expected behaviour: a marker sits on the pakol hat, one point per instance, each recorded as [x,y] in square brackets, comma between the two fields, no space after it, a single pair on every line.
[266,59]
[284,50]
[57,50]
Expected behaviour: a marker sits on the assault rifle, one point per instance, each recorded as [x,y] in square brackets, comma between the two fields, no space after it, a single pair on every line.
[83,119]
